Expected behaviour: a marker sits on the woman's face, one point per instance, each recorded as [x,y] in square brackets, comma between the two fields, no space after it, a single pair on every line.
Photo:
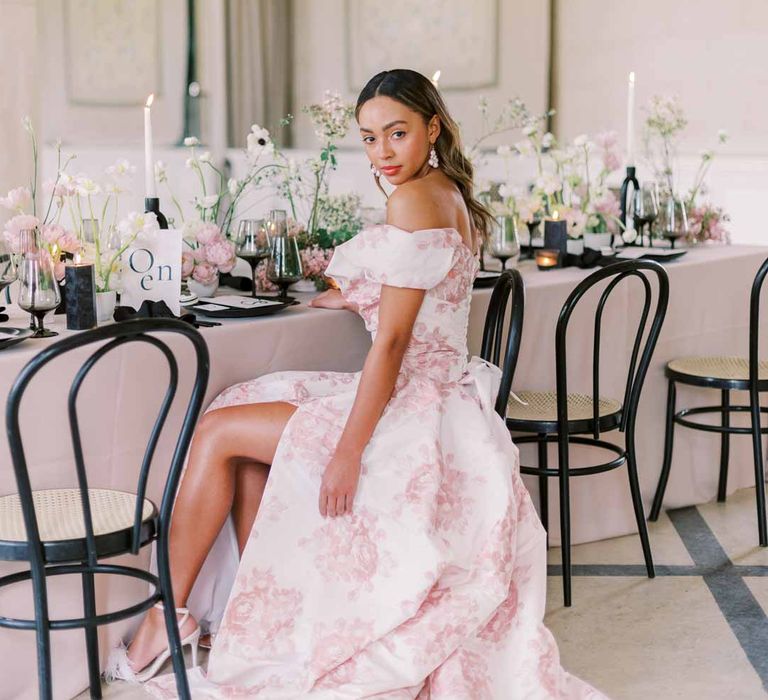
[396,139]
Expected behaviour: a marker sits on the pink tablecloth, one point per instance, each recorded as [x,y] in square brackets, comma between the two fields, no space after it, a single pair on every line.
[708,313]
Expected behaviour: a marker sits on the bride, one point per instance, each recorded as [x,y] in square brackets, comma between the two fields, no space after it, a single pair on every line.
[388,546]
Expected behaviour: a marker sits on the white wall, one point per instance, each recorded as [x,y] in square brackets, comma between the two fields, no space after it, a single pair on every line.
[712,54]
[321,61]
[18,90]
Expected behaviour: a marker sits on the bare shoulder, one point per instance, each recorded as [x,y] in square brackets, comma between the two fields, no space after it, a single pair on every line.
[418,205]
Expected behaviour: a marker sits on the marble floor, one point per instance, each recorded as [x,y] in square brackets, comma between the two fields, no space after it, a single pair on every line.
[698,630]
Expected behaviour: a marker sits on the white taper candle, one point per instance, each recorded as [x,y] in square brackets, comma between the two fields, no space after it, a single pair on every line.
[149,154]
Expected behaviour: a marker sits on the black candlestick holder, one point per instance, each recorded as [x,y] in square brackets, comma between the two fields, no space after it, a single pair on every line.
[630,179]
[152,204]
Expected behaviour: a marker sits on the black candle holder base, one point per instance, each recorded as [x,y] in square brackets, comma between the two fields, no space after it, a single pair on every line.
[152,204]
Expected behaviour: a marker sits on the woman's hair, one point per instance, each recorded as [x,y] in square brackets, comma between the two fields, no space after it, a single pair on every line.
[418,93]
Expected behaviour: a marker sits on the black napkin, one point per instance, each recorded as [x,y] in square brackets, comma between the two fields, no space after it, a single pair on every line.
[152,309]
[243,284]
[3,317]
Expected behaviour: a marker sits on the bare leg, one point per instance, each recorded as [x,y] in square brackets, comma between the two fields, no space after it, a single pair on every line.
[250,481]
[223,439]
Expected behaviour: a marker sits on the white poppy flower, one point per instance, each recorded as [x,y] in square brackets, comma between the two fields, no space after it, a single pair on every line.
[191,141]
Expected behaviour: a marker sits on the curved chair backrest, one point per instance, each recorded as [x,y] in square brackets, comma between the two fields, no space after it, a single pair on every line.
[509,283]
[641,352]
[116,335]
[754,329]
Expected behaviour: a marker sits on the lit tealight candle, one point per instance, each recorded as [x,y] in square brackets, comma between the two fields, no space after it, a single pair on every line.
[547,258]
[81,294]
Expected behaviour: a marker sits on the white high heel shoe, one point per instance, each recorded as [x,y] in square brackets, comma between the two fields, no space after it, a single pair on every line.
[119,668]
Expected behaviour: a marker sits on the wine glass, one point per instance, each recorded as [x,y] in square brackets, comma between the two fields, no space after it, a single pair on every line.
[673,219]
[504,242]
[284,266]
[646,209]
[253,245]
[8,271]
[534,231]
[38,291]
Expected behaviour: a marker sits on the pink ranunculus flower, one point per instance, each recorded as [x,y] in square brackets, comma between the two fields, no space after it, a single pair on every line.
[17,199]
[187,264]
[208,233]
[205,273]
[221,253]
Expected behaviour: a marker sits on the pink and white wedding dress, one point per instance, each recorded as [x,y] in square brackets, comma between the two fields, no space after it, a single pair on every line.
[434,587]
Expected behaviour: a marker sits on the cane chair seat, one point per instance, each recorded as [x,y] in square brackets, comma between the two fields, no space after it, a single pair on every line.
[715,370]
[60,515]
[541,410]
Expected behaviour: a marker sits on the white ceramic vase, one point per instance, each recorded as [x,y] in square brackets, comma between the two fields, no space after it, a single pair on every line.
[105,305]
[596,241]
[203,290]
[575,246]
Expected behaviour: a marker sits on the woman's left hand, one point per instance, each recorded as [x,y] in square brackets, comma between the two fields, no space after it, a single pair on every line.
[337,490]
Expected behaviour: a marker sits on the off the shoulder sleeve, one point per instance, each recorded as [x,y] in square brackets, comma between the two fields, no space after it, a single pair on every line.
[389,255]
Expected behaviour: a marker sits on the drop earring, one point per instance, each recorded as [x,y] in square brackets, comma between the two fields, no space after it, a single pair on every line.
[433,161]
[376,172]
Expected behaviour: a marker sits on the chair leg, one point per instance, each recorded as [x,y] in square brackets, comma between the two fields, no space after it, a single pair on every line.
[757,448]
[171,622]
[565,522]
[91,636]
[725,444]
[544,486]
[43,632]
[669,434]
[637,504]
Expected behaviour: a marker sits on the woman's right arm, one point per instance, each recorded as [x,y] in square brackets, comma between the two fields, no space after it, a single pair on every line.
[332,299]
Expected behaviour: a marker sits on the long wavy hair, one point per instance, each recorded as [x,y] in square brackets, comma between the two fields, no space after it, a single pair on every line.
[417,92]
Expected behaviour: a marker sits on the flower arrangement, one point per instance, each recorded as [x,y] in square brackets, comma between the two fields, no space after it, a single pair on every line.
[305,185]
[664,126]
[219,205]
[318,220]
[69,198]
[571,179]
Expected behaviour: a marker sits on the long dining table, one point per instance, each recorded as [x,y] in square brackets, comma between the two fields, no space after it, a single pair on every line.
[708,314]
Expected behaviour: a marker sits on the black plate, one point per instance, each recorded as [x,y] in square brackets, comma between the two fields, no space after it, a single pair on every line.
[12,336]
[243,313]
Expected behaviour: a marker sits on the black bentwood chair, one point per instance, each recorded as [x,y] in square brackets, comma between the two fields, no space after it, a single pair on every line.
[509,283]
[565,418]
[67,531]
[725,374]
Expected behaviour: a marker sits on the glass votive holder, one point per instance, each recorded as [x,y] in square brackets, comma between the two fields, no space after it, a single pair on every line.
[547,258]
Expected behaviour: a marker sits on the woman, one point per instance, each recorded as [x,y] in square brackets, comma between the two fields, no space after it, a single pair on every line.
[396,553]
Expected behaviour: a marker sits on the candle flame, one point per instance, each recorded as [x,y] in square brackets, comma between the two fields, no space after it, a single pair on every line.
[632,76]
[150,100]
[77,258]
[555,215]
[54,251]
[436,78]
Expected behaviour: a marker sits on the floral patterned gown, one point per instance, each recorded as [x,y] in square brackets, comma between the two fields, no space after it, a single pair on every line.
[434,586]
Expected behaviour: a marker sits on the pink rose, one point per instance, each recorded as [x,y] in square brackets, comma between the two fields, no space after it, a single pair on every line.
[187,264]
[221,253]
[205,273]
[208,233]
